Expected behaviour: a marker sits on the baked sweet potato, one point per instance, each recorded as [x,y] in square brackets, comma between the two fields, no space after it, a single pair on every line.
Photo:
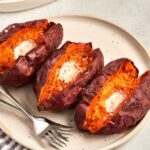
[117,99]
[65,73]
[24,47]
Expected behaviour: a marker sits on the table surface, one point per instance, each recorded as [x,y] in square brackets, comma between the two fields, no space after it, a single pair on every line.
[132,15]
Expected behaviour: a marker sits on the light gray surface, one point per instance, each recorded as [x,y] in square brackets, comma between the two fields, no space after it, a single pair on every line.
[132,15]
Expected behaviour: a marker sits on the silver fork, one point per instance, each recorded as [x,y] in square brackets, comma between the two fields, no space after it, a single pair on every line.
[53,132]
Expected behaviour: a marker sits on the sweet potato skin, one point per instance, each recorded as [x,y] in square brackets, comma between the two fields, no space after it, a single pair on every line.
[26,66]
[67,97]
[130,113]
[11,29]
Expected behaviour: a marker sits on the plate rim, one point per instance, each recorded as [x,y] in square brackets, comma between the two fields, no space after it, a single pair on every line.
[21,5]
[137,128]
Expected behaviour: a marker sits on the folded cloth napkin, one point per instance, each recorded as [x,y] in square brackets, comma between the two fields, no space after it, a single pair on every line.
[6,143]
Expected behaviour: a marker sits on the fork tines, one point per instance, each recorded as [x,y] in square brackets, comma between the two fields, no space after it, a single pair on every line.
[57,134]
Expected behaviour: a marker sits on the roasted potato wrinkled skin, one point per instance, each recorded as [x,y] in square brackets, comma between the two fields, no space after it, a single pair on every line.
[67,97]
[26,66]
[93,88]
[11,29]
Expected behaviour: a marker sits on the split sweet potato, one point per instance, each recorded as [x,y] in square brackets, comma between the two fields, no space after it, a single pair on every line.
[54,87]
[17,70]
[120,77]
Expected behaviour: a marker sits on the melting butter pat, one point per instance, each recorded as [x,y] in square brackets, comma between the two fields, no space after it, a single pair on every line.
[68,71]
[24,47]
[114,101]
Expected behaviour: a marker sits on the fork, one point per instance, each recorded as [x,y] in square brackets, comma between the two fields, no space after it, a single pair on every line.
[54,133]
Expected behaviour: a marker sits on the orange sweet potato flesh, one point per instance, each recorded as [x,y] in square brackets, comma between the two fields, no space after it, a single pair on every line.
[20,71]
[74,53]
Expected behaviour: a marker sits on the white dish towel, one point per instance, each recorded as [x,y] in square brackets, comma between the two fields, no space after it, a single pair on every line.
[6,143]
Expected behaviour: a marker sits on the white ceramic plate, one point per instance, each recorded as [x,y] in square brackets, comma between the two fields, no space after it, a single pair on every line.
[114,43]
[18,5]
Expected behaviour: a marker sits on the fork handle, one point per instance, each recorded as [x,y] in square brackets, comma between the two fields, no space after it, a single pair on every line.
[5,92]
